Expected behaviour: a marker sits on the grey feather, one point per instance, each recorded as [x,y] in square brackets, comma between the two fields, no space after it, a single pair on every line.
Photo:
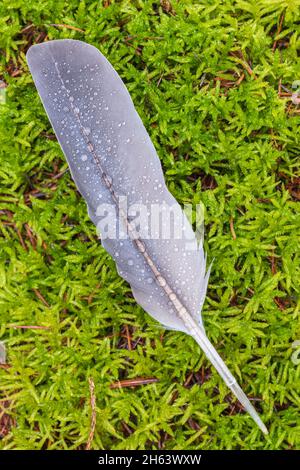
[111,156]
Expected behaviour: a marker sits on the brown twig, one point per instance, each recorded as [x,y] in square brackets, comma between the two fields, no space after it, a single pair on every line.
[128,338]
[188,380]
[30,327]
[60,174]
[39,295]
[247,67]
[241,59]
[126,428]
[91,296]
[93,415]
[272,259]
[159,80]
[27,28]
[133,382]
[239,81]
[146,38]
[58,25]
[30,236]
[232,228]
[21,239]
[278,32]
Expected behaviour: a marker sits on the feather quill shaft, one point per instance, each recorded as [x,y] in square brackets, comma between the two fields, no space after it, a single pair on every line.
[78,86]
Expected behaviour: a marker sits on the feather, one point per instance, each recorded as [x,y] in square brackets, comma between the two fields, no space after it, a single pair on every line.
[113,161]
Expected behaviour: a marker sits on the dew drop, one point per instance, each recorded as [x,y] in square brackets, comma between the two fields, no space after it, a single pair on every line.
[84,158]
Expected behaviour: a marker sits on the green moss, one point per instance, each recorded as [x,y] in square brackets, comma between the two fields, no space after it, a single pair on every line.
[204,77]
